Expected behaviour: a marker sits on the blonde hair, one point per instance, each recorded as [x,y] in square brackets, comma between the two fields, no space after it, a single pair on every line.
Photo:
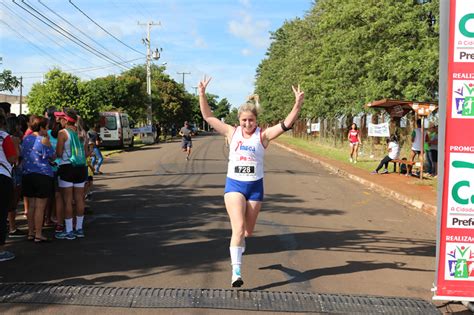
[252,105]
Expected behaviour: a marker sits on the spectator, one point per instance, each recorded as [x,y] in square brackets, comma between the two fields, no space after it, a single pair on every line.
[71,177]
[13,128]
[415,144]
[433,141]
[36,152]
[393,153]
[354,141]
[94,142]
[8,156]
[6,106]
[57,200]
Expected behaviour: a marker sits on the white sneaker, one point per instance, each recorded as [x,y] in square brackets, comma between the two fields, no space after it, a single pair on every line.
[355,161]
[350,160]
[237,281]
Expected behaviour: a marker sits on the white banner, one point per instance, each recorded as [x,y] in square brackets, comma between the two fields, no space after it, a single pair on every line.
[145,129]
[379,130]
[315,127]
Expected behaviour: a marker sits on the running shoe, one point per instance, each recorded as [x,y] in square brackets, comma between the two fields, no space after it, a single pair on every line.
[6,255]
[59,228]
[385,171]
[79,233]
[374,173]
[65,235]
[237,281]
[350,160]
[16,233]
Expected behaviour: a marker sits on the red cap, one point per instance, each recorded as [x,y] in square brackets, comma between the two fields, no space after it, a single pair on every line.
[65,116]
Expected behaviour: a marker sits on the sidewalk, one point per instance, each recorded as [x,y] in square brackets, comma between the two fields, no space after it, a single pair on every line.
[393,185]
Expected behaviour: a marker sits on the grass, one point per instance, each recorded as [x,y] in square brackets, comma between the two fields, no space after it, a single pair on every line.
[332,152]
[341,154]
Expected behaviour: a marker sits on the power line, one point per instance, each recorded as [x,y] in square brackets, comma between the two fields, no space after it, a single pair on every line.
[59,16]
[37,47]
[37,28]
[70,1]
[82,69]
[69,36]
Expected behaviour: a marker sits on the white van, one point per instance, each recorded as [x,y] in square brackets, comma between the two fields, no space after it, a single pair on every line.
[116,129]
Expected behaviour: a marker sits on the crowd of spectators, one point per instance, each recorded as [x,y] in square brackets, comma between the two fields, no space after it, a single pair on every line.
[46,162]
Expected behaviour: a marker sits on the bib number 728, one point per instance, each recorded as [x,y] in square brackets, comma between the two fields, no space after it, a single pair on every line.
[245,169]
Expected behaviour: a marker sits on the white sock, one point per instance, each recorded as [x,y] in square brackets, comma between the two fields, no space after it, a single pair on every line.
[79,221]
[68,225]
[236,257]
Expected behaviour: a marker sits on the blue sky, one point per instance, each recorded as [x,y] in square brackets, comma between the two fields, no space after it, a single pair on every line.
[225,39]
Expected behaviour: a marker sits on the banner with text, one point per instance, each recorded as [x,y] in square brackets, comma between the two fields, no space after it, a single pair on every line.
[379,130]
[455,263]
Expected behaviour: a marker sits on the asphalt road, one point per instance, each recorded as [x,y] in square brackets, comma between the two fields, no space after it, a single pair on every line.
[159,221]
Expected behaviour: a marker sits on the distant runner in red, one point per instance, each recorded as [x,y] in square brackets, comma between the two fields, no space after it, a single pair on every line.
[354,141]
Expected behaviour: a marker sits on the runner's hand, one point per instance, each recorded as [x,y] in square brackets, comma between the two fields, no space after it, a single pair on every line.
[203,85]
[299,95]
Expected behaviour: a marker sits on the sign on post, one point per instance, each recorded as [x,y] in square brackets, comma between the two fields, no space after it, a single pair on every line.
[455,239]
[379,130]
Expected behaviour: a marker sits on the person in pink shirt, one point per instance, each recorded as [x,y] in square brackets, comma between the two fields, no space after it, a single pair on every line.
[354,141]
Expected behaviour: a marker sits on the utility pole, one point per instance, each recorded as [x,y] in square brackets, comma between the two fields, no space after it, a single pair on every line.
[183,73]
[149,56]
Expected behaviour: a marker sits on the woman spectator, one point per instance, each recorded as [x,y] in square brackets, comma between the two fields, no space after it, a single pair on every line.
[354,142]
[393,153]
[57,200]
[71,177]
[8,157]
[13,128]
[36,152]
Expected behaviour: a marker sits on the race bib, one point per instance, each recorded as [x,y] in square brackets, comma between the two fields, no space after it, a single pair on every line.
[244,170]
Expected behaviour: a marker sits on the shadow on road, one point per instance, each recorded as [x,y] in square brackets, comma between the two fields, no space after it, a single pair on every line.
[296,276]
[142,231]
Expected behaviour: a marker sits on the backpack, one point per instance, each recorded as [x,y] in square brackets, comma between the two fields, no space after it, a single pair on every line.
[78,156]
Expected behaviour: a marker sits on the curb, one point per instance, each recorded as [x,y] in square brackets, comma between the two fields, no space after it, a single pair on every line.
[416,204]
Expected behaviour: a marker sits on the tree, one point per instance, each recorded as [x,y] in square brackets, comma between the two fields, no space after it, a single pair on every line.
[222,108]
[8,82]
[60,89]
[346,53]
[232,117]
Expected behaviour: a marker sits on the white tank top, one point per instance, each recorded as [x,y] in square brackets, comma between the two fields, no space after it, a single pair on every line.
[66,151]
[6,167]
[246,156]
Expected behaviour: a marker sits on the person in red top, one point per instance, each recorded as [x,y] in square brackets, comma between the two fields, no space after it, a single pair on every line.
[354,141]
[8,156]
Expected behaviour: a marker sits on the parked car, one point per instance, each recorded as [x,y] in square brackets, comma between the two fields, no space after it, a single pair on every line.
[116,129]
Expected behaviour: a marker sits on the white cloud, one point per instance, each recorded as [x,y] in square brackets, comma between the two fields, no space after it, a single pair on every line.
[246,52]
[245,3]
[198,40]
[252,32]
